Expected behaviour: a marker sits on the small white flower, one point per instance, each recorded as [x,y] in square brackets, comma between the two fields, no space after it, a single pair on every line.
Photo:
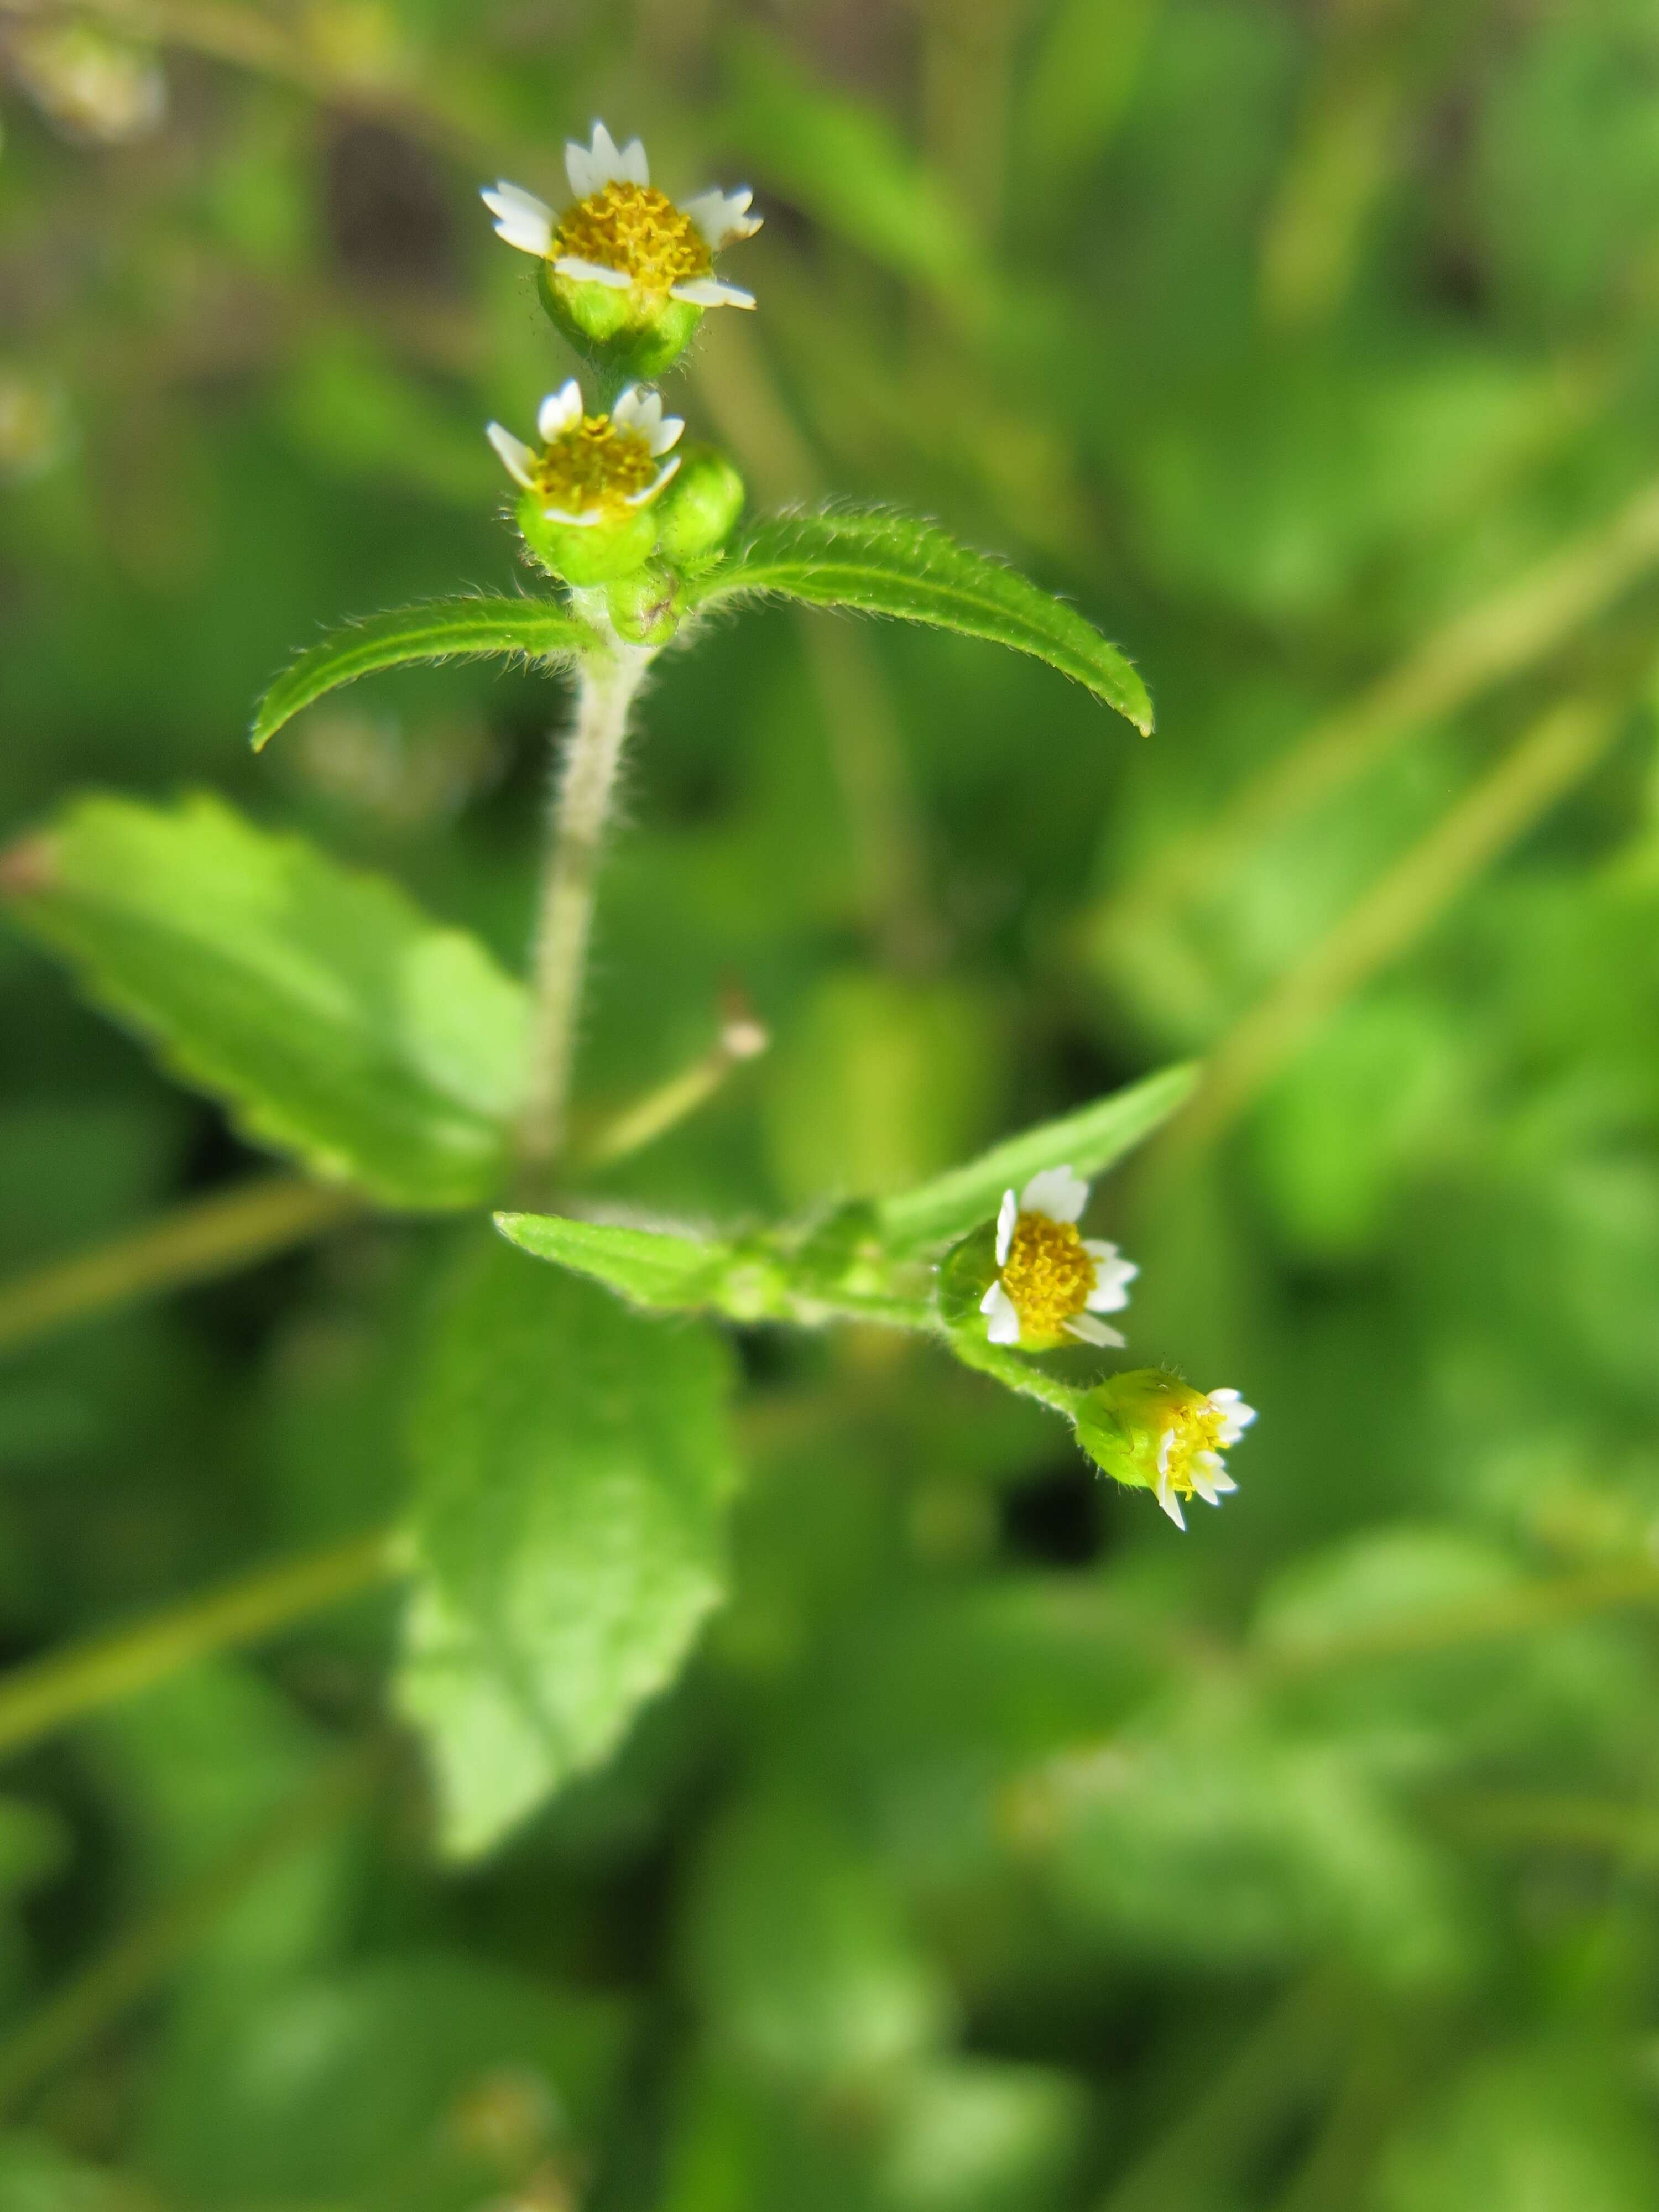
[622,232]
[593,467]
[1051,1282]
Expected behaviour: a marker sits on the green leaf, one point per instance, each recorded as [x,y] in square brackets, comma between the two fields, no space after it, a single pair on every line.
[574,1470]
[1088,1141]
[880,563]
[439,629]
[799,1949]
[353,2087]
[336,1021]
[650,1266]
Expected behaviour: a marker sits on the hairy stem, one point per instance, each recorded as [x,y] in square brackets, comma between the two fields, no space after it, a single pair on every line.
[210,1236]
[37,1698]
[1014,1373]
[584,789]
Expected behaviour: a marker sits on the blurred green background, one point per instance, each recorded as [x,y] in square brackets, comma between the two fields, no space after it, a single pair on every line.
[1001,1851]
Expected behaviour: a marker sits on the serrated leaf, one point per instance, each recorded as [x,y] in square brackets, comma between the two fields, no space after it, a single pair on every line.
[652,1266]
[1088,1141]
[336,1020]
[439,629]
[574,1470]
[880,562]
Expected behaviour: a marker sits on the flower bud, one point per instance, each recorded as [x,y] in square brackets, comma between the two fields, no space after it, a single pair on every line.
[646,606]
[1151,1430]
[701,506]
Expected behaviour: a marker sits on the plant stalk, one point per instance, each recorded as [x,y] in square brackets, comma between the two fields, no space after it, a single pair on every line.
[47,1693]
[208,1237]
[583,793]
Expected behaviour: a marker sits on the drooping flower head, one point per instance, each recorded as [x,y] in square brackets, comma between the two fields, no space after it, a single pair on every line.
[1150,1429]
[596,474]
[1051,1280]
[623,267]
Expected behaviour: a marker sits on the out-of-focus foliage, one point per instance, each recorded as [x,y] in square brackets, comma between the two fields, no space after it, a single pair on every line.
[1001,1851]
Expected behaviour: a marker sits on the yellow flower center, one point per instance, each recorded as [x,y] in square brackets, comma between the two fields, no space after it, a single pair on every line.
[1047,1274]
[1197,1428]
[593,467]
[638,230]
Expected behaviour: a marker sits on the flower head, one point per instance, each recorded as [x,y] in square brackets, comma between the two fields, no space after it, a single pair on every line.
[624,265]
[1051,1281]
[592,469]
[1150,1429]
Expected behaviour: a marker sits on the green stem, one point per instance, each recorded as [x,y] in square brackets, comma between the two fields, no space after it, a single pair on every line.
[1286,2060]
[91,2004]
[209,1237]
[670,1103]
[1015,1373]
[42,1696]
[585,789]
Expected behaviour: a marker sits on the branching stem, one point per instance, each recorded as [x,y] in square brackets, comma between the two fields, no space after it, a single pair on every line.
[584,790]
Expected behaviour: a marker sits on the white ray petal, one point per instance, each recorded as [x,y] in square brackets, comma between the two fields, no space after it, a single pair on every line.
[636,406]
[1165,1446]
[1166,1497]
[998,1309]
[712,292]
[520,218]
[1113,1276]
[516,457]
[1056,1192]
[560,410]
[1224,1483]
[1088,1330]
[591,272]
[1007,1216]
[636,169]
[640,409]
[722,218]
[1205,1487]
[643,498]
[591,167]
[583,519]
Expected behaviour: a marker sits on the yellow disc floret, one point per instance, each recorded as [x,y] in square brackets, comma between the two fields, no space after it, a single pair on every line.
[638,231]
[1048,1274]
[594,468]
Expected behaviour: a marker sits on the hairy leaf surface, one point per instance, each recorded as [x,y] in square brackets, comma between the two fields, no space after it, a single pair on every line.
[878,562]
[440,630]
[574,1469]
[336,1020]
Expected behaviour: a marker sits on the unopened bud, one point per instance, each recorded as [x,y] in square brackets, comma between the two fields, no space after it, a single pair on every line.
[700,507]
[647,605]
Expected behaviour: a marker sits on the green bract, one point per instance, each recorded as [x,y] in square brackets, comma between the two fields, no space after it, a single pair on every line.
[623,333]
[586,553]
